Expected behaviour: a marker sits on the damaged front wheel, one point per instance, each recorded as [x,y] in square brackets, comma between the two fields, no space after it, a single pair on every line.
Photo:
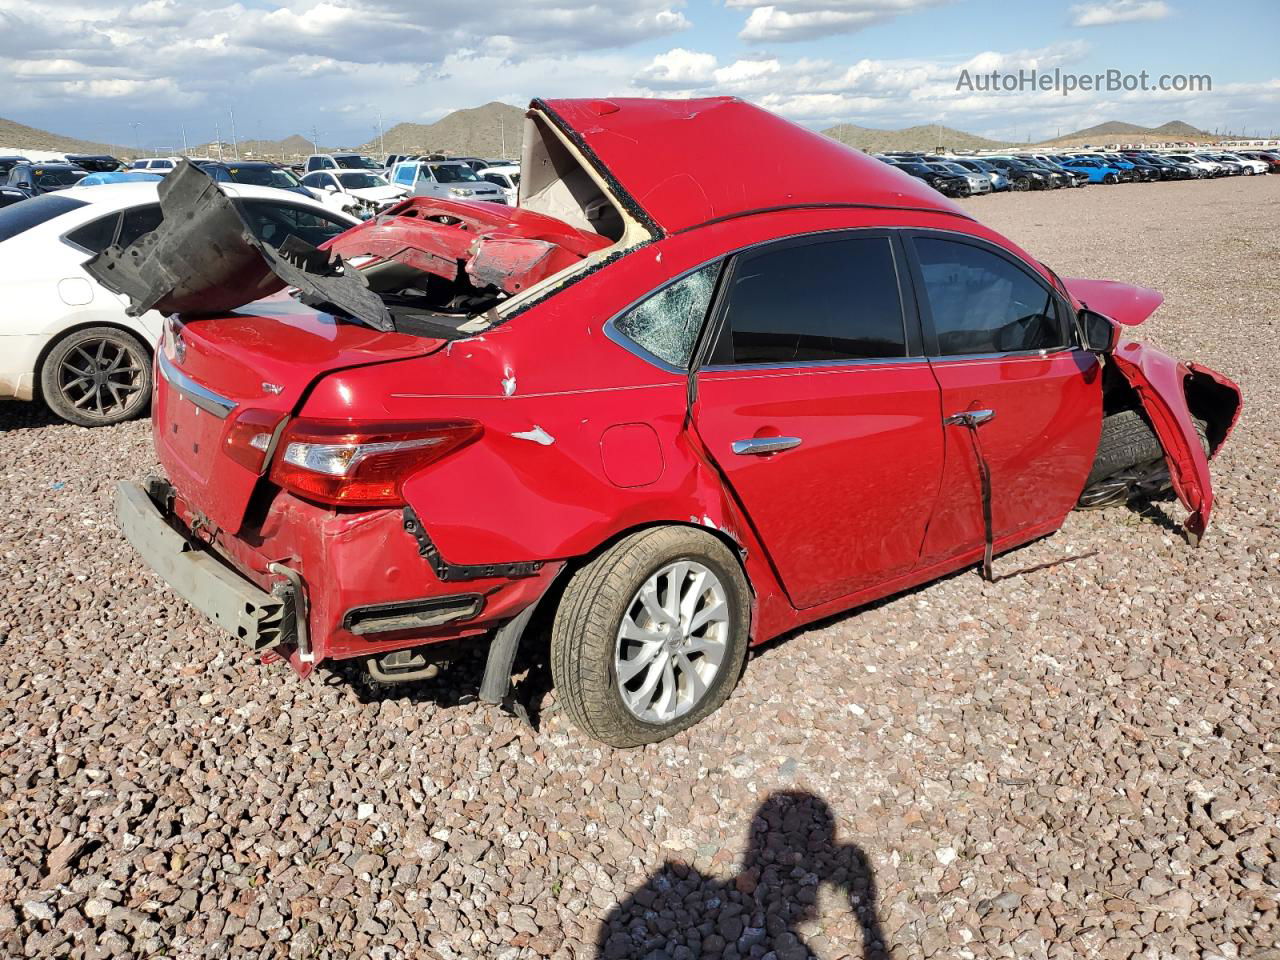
[1130,461]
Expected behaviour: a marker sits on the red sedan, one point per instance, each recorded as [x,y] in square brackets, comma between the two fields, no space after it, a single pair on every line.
[679,409]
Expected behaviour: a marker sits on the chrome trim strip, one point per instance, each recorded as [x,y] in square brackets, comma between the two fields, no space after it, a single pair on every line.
[201,396]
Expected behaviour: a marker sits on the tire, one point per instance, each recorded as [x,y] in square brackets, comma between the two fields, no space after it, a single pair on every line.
[1109,178]
[1021,185]
[587,642]
[97,376]
[1128,441]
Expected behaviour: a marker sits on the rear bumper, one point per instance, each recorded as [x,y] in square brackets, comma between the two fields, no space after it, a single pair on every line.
[259,619]
[313,584]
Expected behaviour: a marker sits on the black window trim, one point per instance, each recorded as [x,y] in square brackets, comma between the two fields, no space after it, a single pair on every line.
[906,295]
[65,237]
[713,323]
[1066,315]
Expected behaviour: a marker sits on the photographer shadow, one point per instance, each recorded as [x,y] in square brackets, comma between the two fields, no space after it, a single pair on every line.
[791,854]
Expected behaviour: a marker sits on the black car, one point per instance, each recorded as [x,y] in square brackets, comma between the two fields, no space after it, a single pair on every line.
[1021,176]
[7,163]
[27,179]
[258,173]
[1147,171]
[947,184]
[95,162]
[1057,177]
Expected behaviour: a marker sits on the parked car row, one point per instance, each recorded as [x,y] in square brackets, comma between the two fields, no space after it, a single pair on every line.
[963,176]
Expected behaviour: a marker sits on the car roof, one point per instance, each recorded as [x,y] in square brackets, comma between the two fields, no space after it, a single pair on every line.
[507,168]
[121,196]
[683,175]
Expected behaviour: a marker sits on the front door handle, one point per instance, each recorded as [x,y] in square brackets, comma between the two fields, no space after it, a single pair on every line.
[969,418]
[756,446]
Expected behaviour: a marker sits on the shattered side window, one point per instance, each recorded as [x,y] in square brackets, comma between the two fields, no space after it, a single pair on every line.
[667,323]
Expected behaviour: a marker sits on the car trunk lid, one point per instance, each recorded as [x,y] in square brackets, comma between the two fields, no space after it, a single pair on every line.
[248,366]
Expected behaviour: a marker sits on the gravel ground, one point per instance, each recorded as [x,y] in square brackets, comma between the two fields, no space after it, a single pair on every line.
[1079,760]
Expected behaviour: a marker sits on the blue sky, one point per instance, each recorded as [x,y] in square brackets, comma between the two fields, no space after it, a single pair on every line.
[104,66]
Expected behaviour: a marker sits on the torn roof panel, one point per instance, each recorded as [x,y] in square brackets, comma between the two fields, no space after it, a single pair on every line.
[684,162]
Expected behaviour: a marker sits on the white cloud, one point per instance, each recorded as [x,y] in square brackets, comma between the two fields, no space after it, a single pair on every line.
[892,94]
[1118,11]
[794,20]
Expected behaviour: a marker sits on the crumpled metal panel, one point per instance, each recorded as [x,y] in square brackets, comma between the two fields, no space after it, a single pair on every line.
[203,258]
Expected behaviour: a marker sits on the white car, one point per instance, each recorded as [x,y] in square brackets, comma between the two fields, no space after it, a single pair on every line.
[1210,167]
[450,179]
[361,193]
[506,176]
[65,338]
[160,165]
[1251,165]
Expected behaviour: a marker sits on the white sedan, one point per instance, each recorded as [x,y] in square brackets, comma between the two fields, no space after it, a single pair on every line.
[360,193]
[68,340]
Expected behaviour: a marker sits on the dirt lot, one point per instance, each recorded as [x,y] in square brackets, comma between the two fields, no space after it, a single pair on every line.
[1079,760]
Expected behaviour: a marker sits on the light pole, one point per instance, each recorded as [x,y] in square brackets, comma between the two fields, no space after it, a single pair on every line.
[382,146]
[136,124]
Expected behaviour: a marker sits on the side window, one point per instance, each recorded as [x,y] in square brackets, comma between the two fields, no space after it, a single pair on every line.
[96,235]
[312,180]
[667,323]
[404,174]
[982,303]
[138,221]
[833,300]
[162,164]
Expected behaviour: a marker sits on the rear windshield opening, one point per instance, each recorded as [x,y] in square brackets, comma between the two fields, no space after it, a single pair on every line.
[555,183]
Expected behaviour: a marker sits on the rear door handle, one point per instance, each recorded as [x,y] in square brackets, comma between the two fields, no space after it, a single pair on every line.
[969,418]
[756,446]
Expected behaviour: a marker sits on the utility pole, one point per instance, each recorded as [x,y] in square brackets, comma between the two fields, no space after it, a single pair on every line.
[235,147]
[136,144]
[217,138]
[382,146]
[315,140]
[185,149]
[502,132]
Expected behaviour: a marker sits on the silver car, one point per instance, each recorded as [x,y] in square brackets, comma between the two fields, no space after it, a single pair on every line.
[978,182]
[450,179]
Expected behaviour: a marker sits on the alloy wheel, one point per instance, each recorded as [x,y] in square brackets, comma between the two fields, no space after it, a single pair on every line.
[672,642]
[101,378]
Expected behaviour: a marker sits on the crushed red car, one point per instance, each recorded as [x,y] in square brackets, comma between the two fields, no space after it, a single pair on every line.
[679,410]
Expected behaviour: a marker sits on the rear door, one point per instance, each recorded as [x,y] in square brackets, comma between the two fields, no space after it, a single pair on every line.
[816,403]
[1003,348]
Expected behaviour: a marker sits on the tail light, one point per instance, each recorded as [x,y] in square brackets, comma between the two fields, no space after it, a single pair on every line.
[249,437]
[362,464]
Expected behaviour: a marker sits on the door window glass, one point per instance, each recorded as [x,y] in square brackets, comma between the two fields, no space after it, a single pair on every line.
[982,303]
[834,300]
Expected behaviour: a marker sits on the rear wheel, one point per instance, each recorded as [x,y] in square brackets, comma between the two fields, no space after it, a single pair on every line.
[1109,178]
[650,636]
[97,376]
